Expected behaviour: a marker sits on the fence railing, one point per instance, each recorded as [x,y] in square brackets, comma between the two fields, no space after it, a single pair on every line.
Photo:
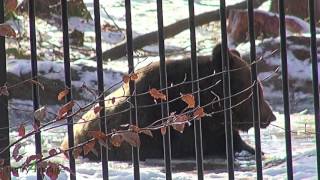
[4,121]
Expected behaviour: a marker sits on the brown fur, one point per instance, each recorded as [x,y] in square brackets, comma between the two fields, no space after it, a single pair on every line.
[182,144]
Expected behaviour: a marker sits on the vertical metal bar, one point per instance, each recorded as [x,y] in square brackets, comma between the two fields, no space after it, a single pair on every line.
[313,48]
[283,46]
[104,152]
[317,10]
[255,90]
[226,90]
[132,87]
[163,84]
[195,88]
[34,72]
[4,120]
[67,74]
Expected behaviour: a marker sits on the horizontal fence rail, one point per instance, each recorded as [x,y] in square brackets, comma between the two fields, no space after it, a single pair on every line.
[163,84]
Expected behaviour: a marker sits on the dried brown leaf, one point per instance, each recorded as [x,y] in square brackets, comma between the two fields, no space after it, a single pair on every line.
[132,138]
[63,94]
[97,135]
[199,113]
[189,99]
[163,130]
[116,140]
[15,152]
[134,76]
[126,79]
[134,128]
[65,109]
[156,94]
[53,152]
[88,147]
[42,166]
[31,158]
[147,132]
[7,31]
[113,100]
[22,130]
[53,171]
[180,120]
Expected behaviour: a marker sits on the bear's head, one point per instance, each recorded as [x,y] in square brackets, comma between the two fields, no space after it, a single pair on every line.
[242,91]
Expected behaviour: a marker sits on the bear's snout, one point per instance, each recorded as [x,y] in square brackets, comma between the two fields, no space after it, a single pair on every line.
[271,117]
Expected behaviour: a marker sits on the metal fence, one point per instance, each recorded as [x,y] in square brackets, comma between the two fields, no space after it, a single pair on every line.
[4,121]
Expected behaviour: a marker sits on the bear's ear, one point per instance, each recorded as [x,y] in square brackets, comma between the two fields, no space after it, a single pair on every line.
[234,52]
[217,58]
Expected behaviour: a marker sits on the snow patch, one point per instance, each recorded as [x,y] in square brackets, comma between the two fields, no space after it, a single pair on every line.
[55,70]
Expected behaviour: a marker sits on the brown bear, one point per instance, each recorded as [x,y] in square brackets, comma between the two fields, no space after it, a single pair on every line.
[211,91]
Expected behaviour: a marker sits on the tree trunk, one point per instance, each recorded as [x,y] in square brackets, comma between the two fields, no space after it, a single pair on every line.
[266,24]
[297,8]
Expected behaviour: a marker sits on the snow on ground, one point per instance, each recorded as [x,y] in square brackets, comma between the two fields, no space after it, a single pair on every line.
[297,69]
[302,170]
[273,145]
[55,70]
